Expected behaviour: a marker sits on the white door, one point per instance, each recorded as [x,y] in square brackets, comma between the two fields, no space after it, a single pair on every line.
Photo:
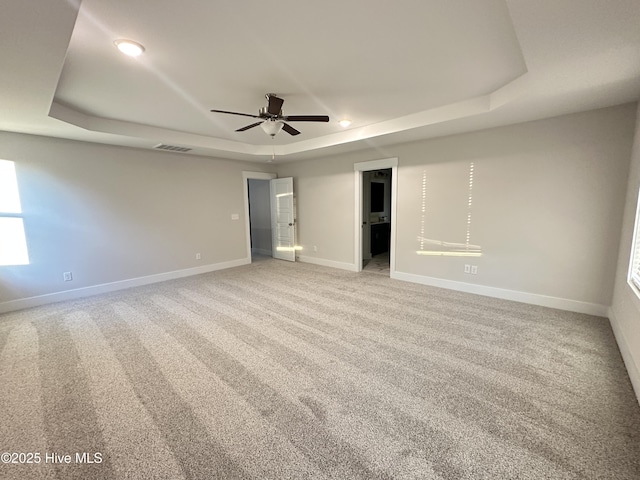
[283,219]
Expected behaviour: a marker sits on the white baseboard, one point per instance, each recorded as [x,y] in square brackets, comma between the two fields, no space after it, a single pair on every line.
[327,263]
[29,302]
[524,297]
[632,368]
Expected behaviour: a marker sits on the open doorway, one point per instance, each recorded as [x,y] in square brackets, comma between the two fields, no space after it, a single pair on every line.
[269,207]
[259,218]
[376,221]
[257,207]
[376,192]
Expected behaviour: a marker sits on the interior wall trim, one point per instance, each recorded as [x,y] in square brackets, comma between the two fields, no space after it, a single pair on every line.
[632,368]
[77,293]
[505,294]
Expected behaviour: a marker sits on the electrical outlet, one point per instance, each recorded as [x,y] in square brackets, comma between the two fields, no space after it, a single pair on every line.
[67,276]
[467,269]
[198,256]
[315,248]
[235,216]
[474,270]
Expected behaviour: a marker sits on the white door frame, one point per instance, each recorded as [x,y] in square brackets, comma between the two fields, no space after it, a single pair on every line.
[360,167]
[245,189]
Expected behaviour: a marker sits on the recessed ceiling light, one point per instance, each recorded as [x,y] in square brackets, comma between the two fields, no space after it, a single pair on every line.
[129,47]
[345,123]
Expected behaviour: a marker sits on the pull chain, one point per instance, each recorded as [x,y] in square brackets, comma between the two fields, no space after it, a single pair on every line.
[273,155]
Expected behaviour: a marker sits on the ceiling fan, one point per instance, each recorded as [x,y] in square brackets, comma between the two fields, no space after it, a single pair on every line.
[272,120]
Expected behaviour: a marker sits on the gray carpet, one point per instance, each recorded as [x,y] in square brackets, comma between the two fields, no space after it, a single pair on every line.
[278,370]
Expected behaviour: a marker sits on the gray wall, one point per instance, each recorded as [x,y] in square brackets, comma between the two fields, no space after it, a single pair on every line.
[109,214]
[548,198]
[625,308]
[324,190]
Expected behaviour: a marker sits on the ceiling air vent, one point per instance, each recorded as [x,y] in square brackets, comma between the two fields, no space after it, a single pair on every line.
[172,148]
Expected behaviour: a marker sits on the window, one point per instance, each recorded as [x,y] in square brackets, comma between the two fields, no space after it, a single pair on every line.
[634,268]
[13,244]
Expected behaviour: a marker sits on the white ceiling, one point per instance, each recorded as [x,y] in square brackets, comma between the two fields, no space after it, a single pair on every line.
[400,70]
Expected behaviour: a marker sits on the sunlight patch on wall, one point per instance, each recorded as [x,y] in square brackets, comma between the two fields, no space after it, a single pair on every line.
[469,203]
[289,249]
[449,249]
[13,242]
[435,247]
[423,210]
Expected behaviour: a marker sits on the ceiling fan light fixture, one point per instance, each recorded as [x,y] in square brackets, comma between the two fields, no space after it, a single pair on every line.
[272,120]
[129,47]
[345,122]
[271,127]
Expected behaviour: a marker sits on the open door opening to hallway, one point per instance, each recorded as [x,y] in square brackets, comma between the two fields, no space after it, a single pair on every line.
[270,216]
[258,192]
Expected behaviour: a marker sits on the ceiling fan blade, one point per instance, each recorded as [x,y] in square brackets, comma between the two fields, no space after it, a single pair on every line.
[306,118]
[236,113]
[248,127]
[275,105]
[289,129]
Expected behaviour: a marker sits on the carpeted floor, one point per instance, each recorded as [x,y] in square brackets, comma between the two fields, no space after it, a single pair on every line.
[278,370]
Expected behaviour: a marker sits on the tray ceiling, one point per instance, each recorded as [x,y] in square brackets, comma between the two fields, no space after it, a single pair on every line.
[398,70]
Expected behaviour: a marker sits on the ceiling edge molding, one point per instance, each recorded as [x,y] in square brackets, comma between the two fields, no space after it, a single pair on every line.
[446,113]
[147,132]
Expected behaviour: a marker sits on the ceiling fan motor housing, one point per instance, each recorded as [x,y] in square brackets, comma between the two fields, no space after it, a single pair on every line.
[263,112]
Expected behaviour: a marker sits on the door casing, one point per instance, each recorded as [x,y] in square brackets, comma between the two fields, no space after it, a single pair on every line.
[360,167]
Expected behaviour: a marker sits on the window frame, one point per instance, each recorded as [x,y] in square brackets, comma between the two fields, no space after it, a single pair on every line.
[634,261]
[19,215]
